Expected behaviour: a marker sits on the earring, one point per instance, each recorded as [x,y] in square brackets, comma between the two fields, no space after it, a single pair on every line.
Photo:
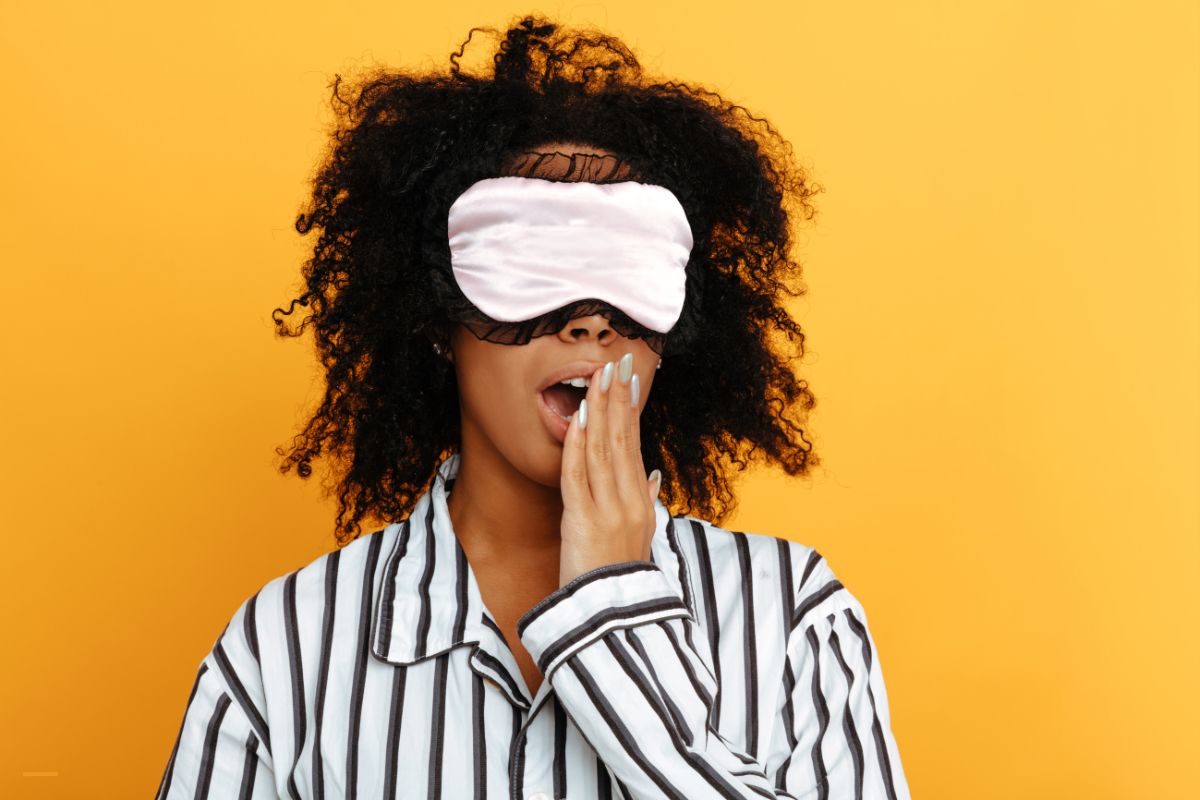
[437,348]
[659,364]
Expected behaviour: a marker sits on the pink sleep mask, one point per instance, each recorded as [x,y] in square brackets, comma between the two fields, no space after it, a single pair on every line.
[521,247]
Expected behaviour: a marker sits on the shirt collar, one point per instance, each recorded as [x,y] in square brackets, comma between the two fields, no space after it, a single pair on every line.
[429,602]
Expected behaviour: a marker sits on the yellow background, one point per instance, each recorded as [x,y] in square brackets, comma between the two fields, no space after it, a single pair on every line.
[1004,319]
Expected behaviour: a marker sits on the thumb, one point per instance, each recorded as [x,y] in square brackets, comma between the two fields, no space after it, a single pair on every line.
[653,484]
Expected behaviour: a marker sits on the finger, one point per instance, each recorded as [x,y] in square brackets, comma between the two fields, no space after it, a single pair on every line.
[654,481]
[599,448]
[652,486]
[635,430]
[627,458]
[573,478]
[630,475]
[637,399]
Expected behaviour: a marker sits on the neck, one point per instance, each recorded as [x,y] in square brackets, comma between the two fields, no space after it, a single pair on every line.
[499,514]
[510,530]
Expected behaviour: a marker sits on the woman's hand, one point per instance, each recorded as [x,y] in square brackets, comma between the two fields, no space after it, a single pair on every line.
[608,502]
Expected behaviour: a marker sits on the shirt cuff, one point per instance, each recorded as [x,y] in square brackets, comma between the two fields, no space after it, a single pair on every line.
[594,604]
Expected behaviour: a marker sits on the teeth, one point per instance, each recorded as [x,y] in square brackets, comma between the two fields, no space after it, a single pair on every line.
[579,383]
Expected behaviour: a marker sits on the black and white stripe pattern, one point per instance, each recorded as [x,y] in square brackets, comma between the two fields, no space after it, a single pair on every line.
[733,666]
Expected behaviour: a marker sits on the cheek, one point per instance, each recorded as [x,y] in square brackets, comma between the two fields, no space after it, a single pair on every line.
[485,389]
[497,405]
[494,393]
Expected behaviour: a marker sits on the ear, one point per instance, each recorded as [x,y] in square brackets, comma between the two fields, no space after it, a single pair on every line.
[440,342]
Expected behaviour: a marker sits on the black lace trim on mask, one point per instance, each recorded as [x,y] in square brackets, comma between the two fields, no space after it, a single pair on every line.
[563,168]
[555,321]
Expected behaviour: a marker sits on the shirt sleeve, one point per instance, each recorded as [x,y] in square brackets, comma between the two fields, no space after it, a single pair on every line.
[223,748]
[614,647]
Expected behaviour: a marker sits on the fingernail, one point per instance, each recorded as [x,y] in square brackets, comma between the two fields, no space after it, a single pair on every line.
[656,476]
[582,418]
[606,377]
[625,369]
[634,390]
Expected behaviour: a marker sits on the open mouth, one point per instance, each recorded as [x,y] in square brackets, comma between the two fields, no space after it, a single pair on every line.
[564,398]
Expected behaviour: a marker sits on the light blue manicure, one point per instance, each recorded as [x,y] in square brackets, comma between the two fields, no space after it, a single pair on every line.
[625,368]
[634,391]
[606,377]
[582,418]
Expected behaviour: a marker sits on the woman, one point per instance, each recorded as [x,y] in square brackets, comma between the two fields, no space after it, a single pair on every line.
[526,289]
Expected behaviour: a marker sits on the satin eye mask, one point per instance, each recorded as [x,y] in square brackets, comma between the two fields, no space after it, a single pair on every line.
[521,247]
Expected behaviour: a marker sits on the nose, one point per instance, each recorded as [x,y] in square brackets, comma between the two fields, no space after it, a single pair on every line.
[588,329]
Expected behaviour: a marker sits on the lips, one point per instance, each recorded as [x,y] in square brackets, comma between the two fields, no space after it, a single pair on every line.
[564,400]
[560,393]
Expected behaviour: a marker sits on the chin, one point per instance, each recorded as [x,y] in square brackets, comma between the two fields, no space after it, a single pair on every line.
[542,463]
[529,450]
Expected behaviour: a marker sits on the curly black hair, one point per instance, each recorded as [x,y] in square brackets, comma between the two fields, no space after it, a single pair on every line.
[405,144]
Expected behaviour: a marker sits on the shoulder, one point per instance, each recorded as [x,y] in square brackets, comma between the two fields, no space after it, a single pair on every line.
[715,549]
[296,601]
[270,633]
[751,567]
[286,611]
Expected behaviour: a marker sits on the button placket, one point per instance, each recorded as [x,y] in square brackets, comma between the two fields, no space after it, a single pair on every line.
[534,746]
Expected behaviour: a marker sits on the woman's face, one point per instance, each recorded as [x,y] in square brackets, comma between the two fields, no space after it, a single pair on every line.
[513,400]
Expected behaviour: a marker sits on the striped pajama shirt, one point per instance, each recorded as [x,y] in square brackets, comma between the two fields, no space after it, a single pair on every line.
[731,666]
